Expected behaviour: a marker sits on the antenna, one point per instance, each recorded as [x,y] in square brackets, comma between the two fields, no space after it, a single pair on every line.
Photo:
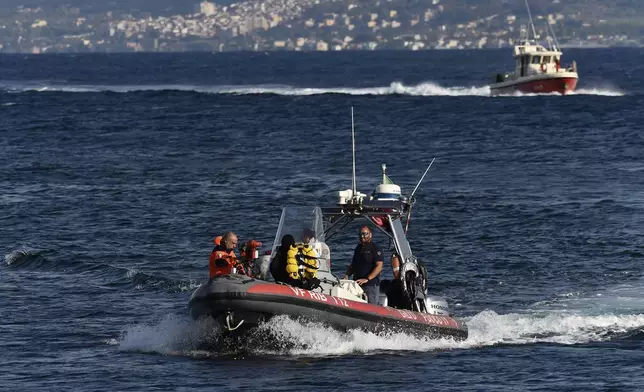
[422,178]
[411,197]
[554,38]
[531,23]
[353,151]
[548,37]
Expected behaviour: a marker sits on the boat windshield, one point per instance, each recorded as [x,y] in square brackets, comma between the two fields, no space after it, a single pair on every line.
[305,224]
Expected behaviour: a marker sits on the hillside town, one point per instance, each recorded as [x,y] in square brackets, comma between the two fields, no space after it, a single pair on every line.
[297,25]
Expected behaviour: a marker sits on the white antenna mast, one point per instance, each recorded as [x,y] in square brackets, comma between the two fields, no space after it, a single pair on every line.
[411,197]
[554,38]
[353,151]
[534,32]
[549,38]
[422,178]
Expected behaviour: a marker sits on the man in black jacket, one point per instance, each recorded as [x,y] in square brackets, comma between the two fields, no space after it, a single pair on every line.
[366,265]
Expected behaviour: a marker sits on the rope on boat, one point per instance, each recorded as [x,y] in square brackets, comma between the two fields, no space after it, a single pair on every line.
[229,319]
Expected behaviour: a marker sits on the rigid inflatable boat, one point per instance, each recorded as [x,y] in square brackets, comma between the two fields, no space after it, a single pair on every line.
[241,302]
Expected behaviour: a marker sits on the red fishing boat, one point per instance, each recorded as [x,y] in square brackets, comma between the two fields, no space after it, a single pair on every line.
[538,70]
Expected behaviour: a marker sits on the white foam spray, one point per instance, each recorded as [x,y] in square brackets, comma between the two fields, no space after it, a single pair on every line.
[173,336]
[606,92]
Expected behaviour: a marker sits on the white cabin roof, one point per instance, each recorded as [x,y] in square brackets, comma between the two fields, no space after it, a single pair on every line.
[532,48]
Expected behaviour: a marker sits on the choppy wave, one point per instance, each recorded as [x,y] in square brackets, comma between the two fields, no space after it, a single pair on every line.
[426,89]
[23,255]
[106,274]
[144,281]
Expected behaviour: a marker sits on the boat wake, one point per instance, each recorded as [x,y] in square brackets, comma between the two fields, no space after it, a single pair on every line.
[395,88]
[284,337]
[426,89]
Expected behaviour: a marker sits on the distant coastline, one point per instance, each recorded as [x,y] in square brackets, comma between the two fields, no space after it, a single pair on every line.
[314,25]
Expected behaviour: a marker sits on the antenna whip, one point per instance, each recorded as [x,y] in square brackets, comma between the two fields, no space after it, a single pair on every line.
[422,178]
[534,32]
[353,150]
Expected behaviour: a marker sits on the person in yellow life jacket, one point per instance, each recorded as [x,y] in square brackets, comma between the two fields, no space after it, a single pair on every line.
[222,258]
[301,266]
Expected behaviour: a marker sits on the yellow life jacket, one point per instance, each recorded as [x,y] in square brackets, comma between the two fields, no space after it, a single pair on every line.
[301,261]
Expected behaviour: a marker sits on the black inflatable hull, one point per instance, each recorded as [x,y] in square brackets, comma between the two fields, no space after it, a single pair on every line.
[253,301]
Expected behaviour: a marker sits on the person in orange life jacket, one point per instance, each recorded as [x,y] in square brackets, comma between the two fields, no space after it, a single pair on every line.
[366,265]
[222,258]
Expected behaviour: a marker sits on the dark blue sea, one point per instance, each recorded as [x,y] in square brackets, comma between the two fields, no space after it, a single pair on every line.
[116,170]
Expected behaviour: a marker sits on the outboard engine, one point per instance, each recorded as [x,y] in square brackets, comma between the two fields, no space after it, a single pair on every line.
[437,305]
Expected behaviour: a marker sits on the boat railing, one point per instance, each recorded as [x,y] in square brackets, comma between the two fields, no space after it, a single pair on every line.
[574,66]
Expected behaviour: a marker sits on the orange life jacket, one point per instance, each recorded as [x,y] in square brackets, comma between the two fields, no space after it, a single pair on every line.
[222,262]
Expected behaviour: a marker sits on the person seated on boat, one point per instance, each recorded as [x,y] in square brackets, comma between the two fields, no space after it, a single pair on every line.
[395,292]
[302,265]
[295,264]
[394,288]
[222,258]
[278,263]
[322,249]
[366,265]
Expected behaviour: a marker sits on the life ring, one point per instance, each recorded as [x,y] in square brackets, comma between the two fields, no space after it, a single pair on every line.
[544,67]
[378,220]
[381,221]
